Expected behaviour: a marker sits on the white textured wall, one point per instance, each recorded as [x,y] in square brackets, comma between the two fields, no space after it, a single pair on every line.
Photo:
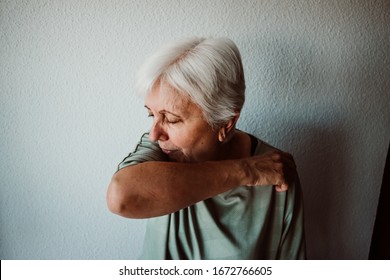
[318,86]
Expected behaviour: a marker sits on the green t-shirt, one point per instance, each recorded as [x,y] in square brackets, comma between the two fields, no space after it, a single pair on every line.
[242,224]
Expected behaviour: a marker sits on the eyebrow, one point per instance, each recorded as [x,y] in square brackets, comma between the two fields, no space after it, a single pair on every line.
[164,112]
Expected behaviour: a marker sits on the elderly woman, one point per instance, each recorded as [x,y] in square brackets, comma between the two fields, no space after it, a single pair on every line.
[211,190]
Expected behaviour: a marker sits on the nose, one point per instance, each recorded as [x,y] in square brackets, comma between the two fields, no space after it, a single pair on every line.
[157,133]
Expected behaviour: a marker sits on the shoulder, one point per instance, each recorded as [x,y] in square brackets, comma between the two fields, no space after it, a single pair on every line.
[259,146]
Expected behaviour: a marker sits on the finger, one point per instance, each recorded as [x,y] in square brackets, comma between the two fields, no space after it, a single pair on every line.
[281,188]
[289,160]
[283,157]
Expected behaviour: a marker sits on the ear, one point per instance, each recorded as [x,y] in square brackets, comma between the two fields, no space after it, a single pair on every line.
[226,129]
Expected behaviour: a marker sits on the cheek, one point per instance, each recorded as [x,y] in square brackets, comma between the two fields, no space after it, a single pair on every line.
[185,140]
[179,137]
[193,137]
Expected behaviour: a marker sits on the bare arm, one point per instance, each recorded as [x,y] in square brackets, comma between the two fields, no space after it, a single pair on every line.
[155,188]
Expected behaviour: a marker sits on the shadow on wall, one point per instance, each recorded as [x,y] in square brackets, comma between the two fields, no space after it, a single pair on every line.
[302,120]
[325,101]
[322,166]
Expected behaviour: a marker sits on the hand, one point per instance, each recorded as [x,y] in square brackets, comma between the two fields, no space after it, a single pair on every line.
[272,168]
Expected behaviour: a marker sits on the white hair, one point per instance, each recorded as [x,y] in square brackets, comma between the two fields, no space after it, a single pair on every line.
[208,71]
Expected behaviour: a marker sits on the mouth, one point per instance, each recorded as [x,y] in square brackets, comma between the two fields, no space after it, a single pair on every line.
[166,151]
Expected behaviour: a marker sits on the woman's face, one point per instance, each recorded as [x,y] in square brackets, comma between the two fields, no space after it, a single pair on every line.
[179,126]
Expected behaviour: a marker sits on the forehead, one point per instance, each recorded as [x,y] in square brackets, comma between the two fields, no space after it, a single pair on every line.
[164,97]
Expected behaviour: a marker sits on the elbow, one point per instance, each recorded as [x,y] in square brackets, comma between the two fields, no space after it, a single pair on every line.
[120,201]
[113,198]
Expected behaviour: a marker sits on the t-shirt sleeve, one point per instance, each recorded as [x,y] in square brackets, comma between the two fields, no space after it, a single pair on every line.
[292,244]
[145,150]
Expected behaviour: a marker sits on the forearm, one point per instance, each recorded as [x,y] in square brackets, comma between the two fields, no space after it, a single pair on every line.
[153,189]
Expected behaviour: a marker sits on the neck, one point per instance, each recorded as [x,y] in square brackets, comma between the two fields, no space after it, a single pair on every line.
[238,146]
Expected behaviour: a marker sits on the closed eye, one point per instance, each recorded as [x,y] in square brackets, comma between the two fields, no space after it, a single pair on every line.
[171,120]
